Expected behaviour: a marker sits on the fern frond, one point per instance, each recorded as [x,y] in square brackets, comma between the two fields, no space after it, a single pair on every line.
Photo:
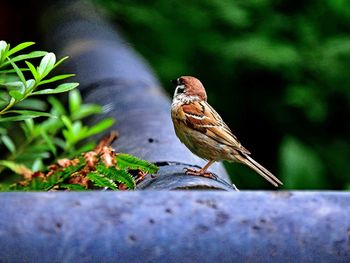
[101,181]
[117,175]
[127,161]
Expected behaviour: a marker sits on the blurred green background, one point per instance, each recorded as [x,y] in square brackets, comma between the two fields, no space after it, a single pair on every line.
[276,71]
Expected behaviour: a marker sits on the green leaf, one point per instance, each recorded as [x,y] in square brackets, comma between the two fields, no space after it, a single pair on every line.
[101,181]
[127,161]
[5,100]
[4,47]
[8,143]
[4,187]
[33,70]
[62,144]
[30,156]
[99,127]
[15,167]
[61,88]
[3,130]
[78,129]
[37,184]
[30,86]
[60,61]
[34,54]
[27,127]
[32,113]
[16,86]
[123,177]
[17,95]
[49,142]
[69,139]
[74,101]
[32,104]
[117,175]
[57,105]
[67,122]
[25,114]
[19,72]
[30,124]
[86,110]
[9,102]
[38,165]
[13,71]
[56,78]
[46,64]
[13,85]
[36,148]
[55,179]
[17,118]
[73,187]
[19,47]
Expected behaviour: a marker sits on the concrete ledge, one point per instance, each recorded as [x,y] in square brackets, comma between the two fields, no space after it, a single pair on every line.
[175,226]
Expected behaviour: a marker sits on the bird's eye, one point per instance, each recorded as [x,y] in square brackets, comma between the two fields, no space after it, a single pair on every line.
[180,89]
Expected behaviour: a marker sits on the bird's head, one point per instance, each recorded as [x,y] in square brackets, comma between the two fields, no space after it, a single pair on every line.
[189,88]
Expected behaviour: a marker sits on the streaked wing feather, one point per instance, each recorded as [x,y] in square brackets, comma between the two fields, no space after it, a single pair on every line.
[202,117]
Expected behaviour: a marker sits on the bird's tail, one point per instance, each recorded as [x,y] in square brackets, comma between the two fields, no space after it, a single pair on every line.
[250,162]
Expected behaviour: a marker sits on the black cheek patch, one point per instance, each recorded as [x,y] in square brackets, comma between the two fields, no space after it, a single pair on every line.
[180,91]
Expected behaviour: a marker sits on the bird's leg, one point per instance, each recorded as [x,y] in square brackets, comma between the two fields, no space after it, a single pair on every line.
[202,171]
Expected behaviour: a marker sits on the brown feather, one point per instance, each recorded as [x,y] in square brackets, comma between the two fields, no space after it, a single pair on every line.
[204,132]
[257,167]
[210,122]
[194,87]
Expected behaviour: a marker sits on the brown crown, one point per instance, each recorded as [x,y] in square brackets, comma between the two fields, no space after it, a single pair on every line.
[193,87]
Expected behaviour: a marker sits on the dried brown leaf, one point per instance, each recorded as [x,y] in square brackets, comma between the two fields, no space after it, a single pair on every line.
[53,167]
[24,171]
[106,141]
[122,187]
[74,162]
[79,179]
[38,174]
[140,176]
[64,162]
[108,156]
[91,158]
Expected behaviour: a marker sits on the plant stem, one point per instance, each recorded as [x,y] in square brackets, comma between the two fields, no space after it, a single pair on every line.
[11,103]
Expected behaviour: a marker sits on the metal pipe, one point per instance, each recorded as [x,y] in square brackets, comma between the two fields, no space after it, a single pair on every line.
[112,74]
[175,226]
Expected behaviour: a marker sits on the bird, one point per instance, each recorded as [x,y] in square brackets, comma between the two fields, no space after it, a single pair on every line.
[201,129]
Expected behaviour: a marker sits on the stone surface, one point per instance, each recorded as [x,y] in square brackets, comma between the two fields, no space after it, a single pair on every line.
[175,226]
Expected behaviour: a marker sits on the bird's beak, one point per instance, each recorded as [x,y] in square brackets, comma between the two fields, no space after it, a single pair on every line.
[175,82]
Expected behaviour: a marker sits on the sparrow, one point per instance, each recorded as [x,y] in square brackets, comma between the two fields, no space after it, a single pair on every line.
[203,131]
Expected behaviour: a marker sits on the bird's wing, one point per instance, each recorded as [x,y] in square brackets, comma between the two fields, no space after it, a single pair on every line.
[199,115]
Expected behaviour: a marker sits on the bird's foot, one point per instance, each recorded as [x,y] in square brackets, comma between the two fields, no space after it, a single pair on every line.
[199,172]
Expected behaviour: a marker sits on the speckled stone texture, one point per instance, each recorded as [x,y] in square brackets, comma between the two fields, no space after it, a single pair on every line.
[175,226]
